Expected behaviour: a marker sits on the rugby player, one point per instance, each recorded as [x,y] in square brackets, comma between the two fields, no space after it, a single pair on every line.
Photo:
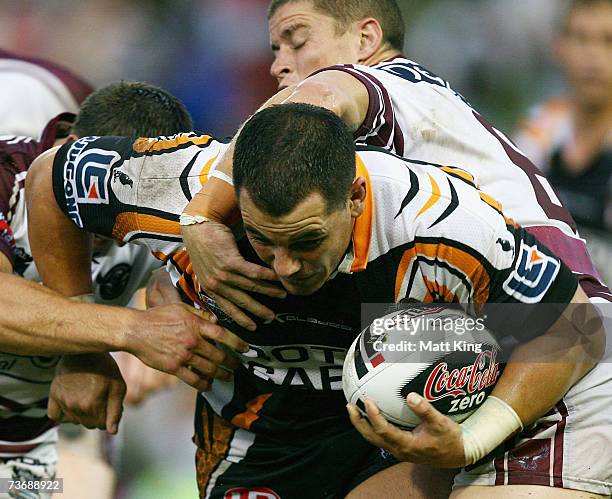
[339,231]
[570,137]
[34,91]
[27,436]
[390,102]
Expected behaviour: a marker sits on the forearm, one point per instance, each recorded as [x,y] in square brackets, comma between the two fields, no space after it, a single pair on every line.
[337,91]
[38,321]
[540,372]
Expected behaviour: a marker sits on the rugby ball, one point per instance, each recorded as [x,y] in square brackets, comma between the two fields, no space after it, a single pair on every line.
[442,353]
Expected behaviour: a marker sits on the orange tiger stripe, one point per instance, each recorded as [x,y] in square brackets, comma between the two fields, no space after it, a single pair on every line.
[130,221]
[435,288]
[249,416]
[144,144]
[433,199]
[362,232]
[208,456]
[496,205]
[407,257]
[461,260]
[459,173]
[203,176]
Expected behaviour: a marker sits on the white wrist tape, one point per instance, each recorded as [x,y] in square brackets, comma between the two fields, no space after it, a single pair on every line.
[492,423]
[86,298]
[187,219]
[222,176]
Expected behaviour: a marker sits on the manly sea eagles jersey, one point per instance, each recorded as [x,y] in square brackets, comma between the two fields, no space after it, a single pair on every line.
[34,91]
[426,234]
[116,274]
[417,115]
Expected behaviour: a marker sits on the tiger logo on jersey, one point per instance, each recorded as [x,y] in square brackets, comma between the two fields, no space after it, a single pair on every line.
[533,275]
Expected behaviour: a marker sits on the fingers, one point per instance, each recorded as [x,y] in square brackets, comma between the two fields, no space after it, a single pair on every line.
[222,335]
[54,411]
[193,379]
[254,271]
[233,301]
[114,406]
[363,427]
[424,410]
[237,281]
[389,433]
[209,369]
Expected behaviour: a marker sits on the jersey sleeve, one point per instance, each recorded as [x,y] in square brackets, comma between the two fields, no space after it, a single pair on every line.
[380,127]
[112,186]
[466,252]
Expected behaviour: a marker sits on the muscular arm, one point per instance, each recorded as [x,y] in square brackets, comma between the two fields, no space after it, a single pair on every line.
[541,371]
[63,261]
[334,90]
[38,321]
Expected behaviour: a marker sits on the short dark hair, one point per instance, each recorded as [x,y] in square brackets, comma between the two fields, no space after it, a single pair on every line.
[286,152]
[344,12]
[134,109]
[576,4]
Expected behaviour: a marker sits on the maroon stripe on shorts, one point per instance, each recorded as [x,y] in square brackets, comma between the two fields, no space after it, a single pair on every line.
[500,472]
[558,457]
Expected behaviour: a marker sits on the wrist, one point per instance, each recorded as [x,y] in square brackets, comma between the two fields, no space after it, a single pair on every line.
[216,201]
[126,339]
[490,425]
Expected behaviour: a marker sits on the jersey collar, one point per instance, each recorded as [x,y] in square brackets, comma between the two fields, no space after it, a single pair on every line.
[356,258]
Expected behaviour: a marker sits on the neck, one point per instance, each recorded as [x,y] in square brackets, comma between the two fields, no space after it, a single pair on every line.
[384,53]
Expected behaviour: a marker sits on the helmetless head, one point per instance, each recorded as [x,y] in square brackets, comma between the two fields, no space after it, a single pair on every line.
[294,174]
[307,35]
[584,49]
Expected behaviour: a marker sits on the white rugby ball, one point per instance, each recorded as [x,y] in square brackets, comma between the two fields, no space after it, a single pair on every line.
[443,354]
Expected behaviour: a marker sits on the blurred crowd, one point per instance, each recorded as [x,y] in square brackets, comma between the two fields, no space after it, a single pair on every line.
[215,57]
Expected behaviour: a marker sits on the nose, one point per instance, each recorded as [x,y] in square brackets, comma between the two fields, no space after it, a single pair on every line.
[285,265]
[281,67]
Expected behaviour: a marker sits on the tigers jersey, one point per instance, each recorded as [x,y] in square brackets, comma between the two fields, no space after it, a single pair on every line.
[116,274]
[417,115]
[427,233]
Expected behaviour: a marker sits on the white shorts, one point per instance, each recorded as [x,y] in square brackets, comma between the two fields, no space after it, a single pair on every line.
[570,447]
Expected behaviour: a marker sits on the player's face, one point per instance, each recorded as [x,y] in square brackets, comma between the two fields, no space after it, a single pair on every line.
[304,40]
[303,247]
[586,52]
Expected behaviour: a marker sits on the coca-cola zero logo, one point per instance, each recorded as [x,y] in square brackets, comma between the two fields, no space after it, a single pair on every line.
[461,381]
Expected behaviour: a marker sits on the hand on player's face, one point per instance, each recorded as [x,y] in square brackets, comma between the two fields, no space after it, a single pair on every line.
[304,40]
[437,441]
[226,276]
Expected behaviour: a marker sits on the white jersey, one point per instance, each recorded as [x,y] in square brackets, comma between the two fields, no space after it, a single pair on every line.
[417,115]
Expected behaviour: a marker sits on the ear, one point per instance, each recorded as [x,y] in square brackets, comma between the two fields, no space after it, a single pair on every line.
[358,196]
[371,38]
[71,137]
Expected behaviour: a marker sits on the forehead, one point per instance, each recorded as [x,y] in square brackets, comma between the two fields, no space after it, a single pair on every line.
[292,15]
[308,215]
